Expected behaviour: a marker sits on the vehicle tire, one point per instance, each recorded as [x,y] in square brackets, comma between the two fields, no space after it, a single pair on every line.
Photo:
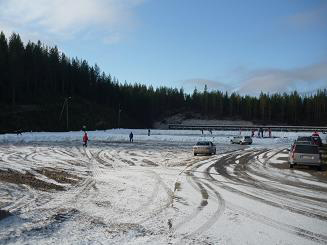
[319,168]
[194,154]
[291,165]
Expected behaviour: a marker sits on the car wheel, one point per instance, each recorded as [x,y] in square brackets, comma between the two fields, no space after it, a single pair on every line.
[194,154]
[291,165]
[319,168]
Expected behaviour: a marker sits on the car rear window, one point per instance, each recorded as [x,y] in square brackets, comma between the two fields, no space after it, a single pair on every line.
[310,149]
[303,142]
[304,138]
[202,143]
[247,137]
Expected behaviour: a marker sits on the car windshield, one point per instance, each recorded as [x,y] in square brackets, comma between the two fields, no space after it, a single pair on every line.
[310,149]
[247,137]
[203,143]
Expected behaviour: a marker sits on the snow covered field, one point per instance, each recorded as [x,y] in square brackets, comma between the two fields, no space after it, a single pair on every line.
[154,191]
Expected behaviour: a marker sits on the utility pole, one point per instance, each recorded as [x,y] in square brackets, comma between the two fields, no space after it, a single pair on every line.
[67,114]
[67,100]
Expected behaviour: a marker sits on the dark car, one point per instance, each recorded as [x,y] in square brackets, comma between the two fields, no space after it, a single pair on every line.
[316,140]
[304,138]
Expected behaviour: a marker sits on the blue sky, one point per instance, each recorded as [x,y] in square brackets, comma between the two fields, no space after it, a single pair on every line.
[244,46]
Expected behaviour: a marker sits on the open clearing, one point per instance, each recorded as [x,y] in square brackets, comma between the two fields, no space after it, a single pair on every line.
[155,191]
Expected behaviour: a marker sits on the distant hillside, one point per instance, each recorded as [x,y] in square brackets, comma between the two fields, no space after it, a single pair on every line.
[196,119]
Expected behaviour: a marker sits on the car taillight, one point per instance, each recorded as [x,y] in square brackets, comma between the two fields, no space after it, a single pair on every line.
[293,152]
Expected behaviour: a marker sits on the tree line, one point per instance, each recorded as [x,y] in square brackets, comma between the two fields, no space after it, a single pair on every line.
[36,79]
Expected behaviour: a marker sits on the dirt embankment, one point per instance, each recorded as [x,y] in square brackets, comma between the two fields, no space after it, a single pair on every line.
[31,180]
[196,119]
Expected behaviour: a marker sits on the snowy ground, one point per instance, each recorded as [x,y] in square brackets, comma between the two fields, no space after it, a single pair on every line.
[154,191]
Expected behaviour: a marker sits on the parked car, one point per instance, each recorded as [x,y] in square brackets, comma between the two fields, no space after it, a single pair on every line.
[299,142]
[204,147]
[316,140]
[304,138]
[305,154]
[241,140]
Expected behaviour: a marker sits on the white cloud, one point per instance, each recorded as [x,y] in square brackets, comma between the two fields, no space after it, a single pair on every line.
[308,18]
[67,18]
[281,80]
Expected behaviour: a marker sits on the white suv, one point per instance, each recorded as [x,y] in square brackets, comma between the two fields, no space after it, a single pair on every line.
[241,140]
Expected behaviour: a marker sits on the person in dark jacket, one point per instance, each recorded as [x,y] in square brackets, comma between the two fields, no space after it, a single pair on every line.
[85,139]
[131,137]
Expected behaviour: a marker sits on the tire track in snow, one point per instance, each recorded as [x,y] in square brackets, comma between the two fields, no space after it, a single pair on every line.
[209,196]
[220,167]
[255,184]
[278,196]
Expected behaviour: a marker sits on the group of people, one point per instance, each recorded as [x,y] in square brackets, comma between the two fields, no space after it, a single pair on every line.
[260,132]
[86,137]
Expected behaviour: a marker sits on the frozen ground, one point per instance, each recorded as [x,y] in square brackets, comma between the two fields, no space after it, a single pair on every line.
[154,191]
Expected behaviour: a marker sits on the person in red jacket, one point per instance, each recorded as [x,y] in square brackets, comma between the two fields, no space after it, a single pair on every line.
[85,139]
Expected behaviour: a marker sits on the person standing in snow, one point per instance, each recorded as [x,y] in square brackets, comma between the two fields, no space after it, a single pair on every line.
[85,139]
[261,132]
[131,137]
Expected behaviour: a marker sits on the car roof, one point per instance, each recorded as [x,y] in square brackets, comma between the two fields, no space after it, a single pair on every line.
[306,145]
